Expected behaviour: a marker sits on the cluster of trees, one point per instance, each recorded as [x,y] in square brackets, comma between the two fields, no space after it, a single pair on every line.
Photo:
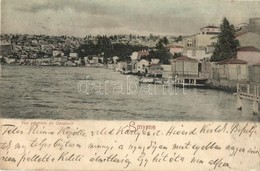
[104,46]
[226,46]
[161,51]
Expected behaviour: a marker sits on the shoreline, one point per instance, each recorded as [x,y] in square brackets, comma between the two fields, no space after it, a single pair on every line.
[226,86]
[230,87]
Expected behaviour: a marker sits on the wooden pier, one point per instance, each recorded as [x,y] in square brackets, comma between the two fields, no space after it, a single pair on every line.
[250,92]
[189,80]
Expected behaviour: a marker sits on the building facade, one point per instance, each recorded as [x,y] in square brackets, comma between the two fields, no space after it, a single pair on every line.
[249,54]
[185,67]
[196,46]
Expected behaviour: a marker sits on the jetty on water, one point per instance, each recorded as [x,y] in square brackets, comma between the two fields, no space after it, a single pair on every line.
[250,92]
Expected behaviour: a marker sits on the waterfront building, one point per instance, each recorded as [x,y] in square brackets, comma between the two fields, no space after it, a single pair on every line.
[141,66]
[166,71]
[69,63]
[73,55]
[119,66]
[250,54]
[185,67]
[114,59]
[135,61]
[232,69]
[155,70]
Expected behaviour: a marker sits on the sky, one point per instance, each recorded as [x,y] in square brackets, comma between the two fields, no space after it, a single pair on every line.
[83,17]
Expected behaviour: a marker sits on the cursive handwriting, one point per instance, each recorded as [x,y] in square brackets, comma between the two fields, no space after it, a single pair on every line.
[128,145]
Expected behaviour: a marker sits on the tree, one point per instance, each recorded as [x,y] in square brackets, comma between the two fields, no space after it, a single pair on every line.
[163,52]
[165,41]
[226,46]
[178,39]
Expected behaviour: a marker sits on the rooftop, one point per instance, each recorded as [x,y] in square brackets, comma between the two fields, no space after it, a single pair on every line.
[142,53]
[184,58]
[210,26]
[233,60]
[245,32]
[174,46]
[249,48]
[257,64]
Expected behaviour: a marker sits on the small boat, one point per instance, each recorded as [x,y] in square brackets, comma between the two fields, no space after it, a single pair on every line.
[150,80]
[88,77]
[158,81]
[126,72]
[146,80]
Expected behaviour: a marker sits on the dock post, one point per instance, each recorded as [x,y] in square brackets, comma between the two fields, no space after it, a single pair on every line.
[239,102]
[255,107]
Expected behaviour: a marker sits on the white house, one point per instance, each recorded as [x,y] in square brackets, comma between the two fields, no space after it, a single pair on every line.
[57,53]
[196,45]
[10,60]
[198,53]
[119,66]
[93,60]
[155,61]
[203,38]
[69,63]
[73,55]
[97,59]
[134,56]
[210,30]
[115,58]
[142,65]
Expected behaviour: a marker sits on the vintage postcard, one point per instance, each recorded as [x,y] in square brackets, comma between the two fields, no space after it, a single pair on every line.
[130,85]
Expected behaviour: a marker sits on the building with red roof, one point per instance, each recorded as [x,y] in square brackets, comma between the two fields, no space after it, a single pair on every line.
[210,29]
[175,49]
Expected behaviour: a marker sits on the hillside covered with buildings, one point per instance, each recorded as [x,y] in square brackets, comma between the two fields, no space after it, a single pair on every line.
[185,56]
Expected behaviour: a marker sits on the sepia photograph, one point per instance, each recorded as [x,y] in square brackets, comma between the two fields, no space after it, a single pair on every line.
[130,85]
